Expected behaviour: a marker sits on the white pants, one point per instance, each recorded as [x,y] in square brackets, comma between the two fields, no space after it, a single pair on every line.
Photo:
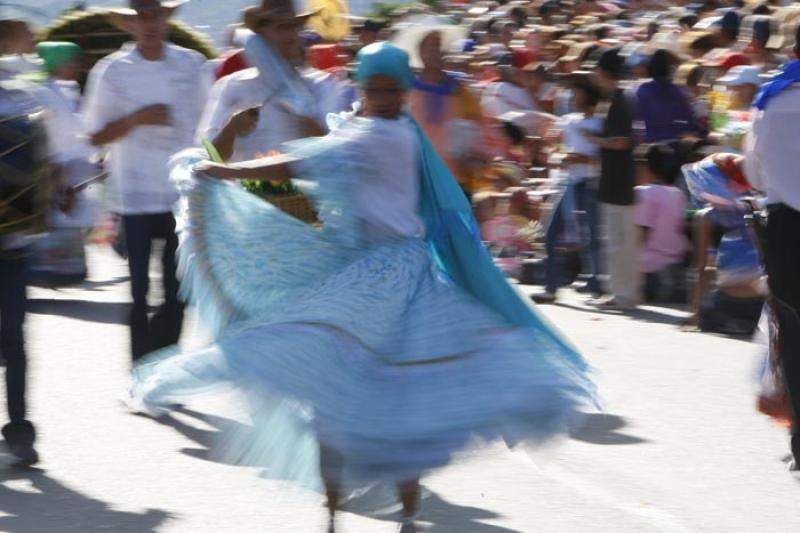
[622,252]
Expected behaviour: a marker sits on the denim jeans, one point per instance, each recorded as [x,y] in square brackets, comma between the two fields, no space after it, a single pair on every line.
[584,198]
[164,328]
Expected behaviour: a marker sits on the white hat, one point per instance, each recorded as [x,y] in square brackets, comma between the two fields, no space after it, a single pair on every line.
[742,75]
[414,30]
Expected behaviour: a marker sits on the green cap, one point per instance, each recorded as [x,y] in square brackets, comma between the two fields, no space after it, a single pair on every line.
[57,53]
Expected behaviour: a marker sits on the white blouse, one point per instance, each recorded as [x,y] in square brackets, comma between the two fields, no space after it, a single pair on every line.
[388,195]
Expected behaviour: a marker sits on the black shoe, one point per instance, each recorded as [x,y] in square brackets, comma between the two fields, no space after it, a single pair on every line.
[543,297]
[587,288]
[25,453]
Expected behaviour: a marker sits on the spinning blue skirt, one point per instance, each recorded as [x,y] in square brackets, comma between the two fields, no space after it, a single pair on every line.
[397,353]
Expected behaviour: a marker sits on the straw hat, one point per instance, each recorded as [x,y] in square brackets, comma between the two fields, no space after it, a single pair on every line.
[274,11]
[121,17]
[142,6]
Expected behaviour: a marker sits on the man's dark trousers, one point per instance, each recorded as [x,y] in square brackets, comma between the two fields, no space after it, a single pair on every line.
[13,301]
[164,328]
[782,257]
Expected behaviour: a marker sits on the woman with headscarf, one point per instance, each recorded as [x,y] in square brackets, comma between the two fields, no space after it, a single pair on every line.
[446,109]
[386,341]
[60,255]
[663,106]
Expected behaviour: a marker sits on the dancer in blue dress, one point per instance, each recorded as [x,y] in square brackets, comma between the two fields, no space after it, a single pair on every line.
[377,346]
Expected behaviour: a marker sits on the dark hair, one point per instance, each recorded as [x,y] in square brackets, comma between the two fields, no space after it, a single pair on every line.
[695,77]
[797,39]
[514,133]
[548,8]
[660,66]
[611,63]
[660,159]
[590,91]
[690,19]
[762,9]
[600,31]
[704,43]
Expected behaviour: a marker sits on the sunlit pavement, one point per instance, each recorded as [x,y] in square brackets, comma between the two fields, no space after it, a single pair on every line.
[679,447]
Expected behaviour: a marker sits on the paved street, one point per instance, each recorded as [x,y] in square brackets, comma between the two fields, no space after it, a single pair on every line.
[679,447]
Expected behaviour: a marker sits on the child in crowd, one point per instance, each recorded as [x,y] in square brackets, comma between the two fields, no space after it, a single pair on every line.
[661,215]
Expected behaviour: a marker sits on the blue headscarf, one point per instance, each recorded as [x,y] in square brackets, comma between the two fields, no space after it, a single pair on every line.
[451,230]
[384,59]
[785,78]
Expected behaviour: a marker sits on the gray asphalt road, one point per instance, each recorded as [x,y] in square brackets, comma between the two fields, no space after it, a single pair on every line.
[679,447]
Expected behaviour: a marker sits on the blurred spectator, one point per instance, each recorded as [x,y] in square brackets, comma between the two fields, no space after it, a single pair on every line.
[60,256]
[369,31]
[744,82]
[16,48]
[689,77]
[758,49]
[446,109]
[580,164]
[616,184]
[728,29]
[660,215]
[662,105]
[510,93]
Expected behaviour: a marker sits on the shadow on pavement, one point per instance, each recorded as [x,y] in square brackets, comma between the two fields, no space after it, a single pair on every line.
[645,315]
[444,517]
[100,285]
[33,502]
[437,514]
[602,428]
[207,438]
[448,517]
[86,310]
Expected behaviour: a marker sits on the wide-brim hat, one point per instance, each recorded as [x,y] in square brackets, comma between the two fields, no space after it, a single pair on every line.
[274,11]
[410,34]
[121,17]
[137,6]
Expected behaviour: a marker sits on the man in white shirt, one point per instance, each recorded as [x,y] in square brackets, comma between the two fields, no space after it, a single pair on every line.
[247,112]
[144,102]
[771,166]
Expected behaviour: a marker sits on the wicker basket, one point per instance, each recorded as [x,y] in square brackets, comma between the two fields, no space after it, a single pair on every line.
[296,205]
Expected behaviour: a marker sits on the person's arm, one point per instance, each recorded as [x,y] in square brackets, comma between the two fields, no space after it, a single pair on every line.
[101,114]
[154,115]
[276,168]
[241,124]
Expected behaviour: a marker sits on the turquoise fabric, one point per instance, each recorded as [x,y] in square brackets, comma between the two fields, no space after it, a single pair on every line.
[384,59]
[454,239]
[452,231]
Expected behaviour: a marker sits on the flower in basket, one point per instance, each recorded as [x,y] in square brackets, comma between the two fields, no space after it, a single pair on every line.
[269,188]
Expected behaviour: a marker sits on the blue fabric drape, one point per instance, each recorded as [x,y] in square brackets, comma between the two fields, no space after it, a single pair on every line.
[454,240]
[788,76]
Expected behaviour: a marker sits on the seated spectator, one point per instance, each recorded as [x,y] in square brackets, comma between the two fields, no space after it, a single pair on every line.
[660,215]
